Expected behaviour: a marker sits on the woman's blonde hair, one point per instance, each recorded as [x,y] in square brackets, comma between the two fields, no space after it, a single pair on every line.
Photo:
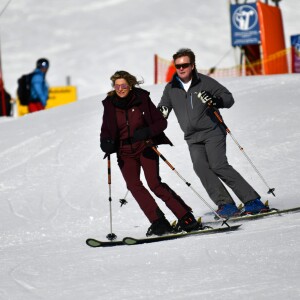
[131,80]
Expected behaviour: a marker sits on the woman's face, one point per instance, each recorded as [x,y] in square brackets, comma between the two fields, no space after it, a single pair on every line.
[121,87]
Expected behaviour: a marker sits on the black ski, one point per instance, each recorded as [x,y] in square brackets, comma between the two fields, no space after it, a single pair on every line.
[134,241]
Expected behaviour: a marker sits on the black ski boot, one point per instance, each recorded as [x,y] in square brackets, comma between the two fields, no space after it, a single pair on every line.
[159,227]
[188,223]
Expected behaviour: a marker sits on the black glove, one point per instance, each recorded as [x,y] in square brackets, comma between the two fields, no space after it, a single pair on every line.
[108,146]
[141,134]
[165,111]
[210,100]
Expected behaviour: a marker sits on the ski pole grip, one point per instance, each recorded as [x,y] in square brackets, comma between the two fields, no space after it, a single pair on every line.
[163,158]
[221,121]
[218,117]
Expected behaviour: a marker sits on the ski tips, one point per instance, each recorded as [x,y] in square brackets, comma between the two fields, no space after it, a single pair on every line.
[129,241]
[93,243]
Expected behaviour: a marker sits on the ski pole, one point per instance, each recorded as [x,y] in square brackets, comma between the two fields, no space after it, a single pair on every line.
[111,236]
[189,185]
[271,190]
[123,201]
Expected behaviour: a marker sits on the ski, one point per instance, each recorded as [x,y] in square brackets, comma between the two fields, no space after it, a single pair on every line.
[96,243]
[272,212]
[133,241]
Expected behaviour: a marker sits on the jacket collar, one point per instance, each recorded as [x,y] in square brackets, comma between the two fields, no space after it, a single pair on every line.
[177,84]
[127,102]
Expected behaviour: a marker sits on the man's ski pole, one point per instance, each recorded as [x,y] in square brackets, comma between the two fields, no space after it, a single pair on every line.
[271,190]
[189,185]
[111,236]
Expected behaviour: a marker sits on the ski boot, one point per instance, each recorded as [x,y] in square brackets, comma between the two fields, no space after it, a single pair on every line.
[228,210]
[159,227]
[254,207]
[188,223]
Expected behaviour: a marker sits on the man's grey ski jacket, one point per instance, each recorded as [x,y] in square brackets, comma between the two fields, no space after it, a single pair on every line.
[195,118]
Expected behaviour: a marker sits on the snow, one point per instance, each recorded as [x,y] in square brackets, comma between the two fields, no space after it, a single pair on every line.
[89,40]
[54,190]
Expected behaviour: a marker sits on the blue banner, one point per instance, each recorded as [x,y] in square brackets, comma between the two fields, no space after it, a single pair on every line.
[295,42]
[244,24]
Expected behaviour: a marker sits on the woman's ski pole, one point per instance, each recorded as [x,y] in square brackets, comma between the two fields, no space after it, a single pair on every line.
[271,190]
[123,201]
[111,236]
[189,185]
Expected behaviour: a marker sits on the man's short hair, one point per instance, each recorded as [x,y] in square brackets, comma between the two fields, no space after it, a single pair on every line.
[185,52]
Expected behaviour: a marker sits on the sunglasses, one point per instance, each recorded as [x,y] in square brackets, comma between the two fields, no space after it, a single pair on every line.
[121,86]
[183,66]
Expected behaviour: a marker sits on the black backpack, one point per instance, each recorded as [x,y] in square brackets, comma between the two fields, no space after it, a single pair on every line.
[23,90]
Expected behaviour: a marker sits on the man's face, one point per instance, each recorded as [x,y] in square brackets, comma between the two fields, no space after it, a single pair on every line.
[184,68]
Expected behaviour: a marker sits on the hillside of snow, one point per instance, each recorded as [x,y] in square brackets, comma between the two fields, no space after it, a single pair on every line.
[53,179]
[54,195]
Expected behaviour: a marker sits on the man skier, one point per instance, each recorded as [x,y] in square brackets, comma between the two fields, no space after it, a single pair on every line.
[193,97]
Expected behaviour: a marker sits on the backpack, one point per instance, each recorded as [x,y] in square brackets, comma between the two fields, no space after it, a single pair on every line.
[23,90]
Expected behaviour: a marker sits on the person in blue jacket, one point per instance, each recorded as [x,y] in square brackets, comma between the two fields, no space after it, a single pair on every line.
[39,91]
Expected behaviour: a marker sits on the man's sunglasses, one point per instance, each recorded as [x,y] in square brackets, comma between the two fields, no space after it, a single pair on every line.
[121,86]
[183,66]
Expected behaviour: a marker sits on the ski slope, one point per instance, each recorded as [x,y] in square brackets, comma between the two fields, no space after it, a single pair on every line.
[53,179]
[54,195]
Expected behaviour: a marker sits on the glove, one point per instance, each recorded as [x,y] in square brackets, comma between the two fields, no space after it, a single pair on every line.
[210,100]
[141,134]
[108,146]
[164,111]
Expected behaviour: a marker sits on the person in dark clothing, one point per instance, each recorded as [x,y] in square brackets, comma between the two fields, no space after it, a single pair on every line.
[7,111]
[6,101]
[131,126]
[193,97]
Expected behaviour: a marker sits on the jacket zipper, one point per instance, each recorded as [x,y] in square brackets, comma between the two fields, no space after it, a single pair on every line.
[191,99]
[128,128]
